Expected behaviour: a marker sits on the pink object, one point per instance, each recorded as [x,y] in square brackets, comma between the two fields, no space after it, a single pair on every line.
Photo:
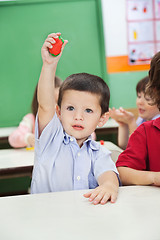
[18,138]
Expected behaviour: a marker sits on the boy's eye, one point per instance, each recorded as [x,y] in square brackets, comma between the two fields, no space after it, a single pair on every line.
[70,108]
[89,110]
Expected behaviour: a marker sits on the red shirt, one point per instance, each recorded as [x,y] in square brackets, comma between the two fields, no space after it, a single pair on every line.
[143,149]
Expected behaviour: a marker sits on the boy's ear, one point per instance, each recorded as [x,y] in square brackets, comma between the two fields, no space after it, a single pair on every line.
[58,111]
[103,119]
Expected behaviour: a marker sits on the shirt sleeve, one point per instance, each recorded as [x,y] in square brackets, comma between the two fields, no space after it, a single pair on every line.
[104,163]
[135,155]
[53,128]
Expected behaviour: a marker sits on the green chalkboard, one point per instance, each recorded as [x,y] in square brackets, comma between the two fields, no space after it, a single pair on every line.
[24,25]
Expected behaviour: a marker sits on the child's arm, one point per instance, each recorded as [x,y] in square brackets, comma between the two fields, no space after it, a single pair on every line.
[131,176]
[127,124]
[46,99]
[123,135]
[107,189]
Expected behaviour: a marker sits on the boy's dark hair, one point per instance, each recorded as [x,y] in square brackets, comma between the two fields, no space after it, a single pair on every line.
[34,106]
[87,83]
[153,87]
[141,85]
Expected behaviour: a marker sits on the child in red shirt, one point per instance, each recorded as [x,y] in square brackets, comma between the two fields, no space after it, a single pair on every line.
[139,164]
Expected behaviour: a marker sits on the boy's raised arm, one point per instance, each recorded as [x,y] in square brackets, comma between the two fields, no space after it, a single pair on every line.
[46,99]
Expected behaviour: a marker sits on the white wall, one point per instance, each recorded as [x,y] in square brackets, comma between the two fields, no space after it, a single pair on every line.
[115,27]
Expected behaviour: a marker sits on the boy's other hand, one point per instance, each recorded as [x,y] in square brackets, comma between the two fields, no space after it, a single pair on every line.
[46,56]
[102,194]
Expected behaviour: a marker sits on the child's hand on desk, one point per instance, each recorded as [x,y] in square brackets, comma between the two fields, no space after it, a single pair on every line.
[103,194]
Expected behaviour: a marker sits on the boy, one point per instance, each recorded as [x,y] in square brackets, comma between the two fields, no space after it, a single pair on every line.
[139,164]
[65,156]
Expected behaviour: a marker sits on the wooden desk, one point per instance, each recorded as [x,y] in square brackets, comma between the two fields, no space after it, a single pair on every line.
[16,163]
[5,132]
[115,150]
[69,216]
[112,147]
[111,126]
[15,171]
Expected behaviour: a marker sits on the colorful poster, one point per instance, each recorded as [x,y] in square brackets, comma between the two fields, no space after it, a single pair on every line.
[139,9]
[141,31]
[140,53]
[143,26]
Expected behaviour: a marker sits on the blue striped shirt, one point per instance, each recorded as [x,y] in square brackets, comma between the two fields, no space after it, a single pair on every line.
[61,165]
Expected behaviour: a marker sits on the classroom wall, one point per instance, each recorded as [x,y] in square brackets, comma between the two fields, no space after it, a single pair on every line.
[25,25]
[122,83]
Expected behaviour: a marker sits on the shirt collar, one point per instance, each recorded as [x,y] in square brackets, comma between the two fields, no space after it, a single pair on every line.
[91,143]
[67,138]
[156,123]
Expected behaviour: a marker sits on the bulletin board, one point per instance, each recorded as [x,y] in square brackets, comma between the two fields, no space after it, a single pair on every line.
[24,25]
[143,26]
[129,26]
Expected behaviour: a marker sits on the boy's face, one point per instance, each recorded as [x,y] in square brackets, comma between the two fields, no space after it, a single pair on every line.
[145,110]
[80,114]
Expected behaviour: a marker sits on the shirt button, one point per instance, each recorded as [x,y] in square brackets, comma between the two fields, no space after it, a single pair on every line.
[78,178]
[78,154]
[71,139]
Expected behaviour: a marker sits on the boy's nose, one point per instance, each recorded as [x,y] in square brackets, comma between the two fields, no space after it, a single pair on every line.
[78,115]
